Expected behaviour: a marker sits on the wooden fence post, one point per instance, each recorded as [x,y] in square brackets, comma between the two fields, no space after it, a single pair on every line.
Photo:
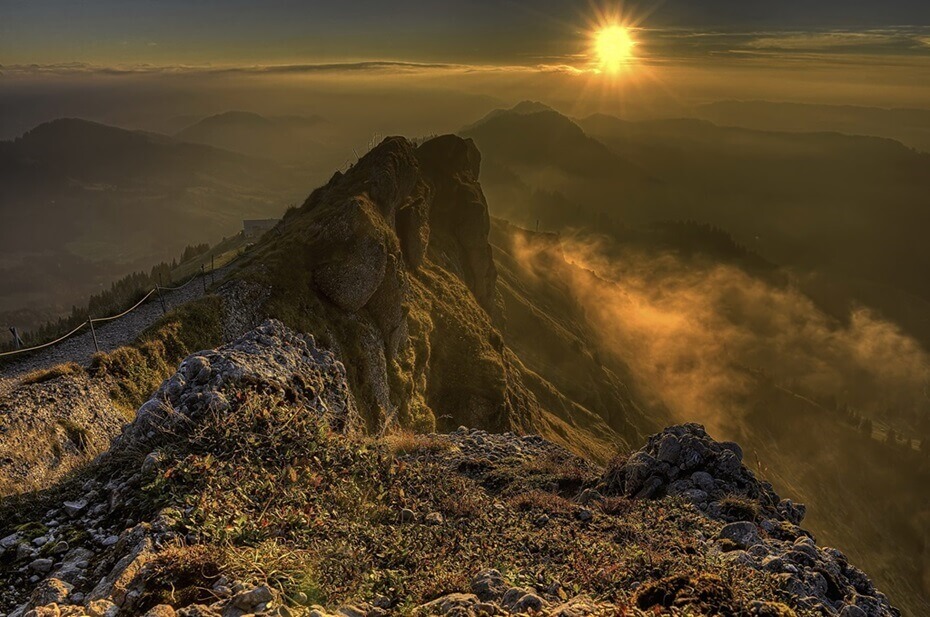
[203,277]
[161,298]
[93,333]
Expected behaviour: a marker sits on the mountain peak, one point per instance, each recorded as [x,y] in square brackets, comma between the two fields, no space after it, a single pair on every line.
[530,107]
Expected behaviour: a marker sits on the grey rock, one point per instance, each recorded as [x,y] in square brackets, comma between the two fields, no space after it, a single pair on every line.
[669,450]
[42,565]
[695,496]
[50,591]
[733,447]
[518,600]
[254,598]
[11,540]
[110,540]
[489,585]
[703,481]
[73,508]
[743,534]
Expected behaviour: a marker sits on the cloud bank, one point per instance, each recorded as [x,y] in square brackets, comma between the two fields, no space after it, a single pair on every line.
[700,338]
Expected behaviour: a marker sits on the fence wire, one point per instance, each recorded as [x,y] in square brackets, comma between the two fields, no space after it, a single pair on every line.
[95,320]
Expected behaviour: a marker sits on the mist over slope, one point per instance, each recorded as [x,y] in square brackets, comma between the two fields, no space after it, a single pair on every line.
[805,369]
[426,314]
[444,316]
[845,211]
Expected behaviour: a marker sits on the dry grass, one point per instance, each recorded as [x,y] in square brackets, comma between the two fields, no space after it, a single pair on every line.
[740,508]
[541,501]
[278,499]
[138,369]
[43,375]
[403,443]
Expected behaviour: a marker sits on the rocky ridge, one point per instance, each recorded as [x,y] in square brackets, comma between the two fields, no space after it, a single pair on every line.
[390,266]
[468,499]
[762,530]
[79,541]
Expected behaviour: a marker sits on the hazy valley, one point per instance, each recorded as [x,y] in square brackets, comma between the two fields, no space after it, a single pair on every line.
[464,309]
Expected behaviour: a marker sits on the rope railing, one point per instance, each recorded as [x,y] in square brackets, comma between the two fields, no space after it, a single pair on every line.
[95,320]
[127,311]
[178,288]
[44,345]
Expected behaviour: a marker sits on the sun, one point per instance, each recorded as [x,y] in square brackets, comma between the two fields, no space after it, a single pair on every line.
[614,46]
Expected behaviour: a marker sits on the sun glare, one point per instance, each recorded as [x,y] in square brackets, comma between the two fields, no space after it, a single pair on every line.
[614,47]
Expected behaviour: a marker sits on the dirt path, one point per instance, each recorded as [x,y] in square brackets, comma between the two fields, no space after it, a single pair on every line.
[110,335]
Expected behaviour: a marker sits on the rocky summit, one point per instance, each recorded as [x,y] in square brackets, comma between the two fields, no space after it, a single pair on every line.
[380,410]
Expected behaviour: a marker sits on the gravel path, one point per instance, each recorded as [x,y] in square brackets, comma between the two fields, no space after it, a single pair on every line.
[110,335]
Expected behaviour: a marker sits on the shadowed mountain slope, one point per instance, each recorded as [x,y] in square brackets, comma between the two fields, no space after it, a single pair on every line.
[83,204]
[390,264]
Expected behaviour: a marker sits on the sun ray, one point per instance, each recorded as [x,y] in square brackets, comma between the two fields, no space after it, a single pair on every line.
[613,45]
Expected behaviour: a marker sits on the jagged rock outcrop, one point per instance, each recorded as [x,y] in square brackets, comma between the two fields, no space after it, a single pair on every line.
[87,543]
[240,478]
[390,264]
[271,357]
[762,530]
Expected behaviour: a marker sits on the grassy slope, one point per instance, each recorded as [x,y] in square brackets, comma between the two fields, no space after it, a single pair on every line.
[317,515]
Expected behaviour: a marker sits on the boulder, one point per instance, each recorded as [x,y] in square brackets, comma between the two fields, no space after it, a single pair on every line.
[743,534]
[272,355]
[489,585]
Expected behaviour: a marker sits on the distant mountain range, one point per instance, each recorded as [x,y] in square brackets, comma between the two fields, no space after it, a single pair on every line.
[83,203]
[851,205]
[303,141]
[909,126]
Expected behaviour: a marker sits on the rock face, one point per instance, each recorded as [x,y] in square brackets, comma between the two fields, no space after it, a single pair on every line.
[459,217]
[277,358]
[49,427]
[391,265]
[762,530]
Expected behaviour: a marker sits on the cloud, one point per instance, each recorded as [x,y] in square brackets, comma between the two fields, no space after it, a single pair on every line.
[909,41]
[700,338]
[373,68]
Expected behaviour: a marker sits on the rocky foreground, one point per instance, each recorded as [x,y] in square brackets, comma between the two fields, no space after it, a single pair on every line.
[242,489]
